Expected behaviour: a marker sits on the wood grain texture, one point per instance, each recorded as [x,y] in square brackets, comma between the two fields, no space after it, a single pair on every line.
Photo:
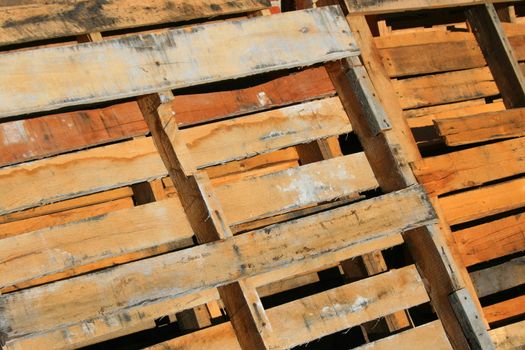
[491,240]
[142,286]
[485,201]
[263,196]
[447,87]
[142,64]
[505,309]
[151,228]
[471,167]
[264,132]
[76,174]
[509,337]
[347,306]
[482,127]
[35,20]
[428,336]
[498,278]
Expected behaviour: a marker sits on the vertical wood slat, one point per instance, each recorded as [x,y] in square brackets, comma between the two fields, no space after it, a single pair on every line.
[206,217]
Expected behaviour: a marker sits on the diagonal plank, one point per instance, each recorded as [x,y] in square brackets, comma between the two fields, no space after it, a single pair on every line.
[39,80]
[84,303]
[36,20]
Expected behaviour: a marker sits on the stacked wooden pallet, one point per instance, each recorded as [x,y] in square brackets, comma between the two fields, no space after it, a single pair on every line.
[456,76]
[96,244]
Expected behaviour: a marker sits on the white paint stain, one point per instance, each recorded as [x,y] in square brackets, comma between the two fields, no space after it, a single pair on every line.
[88,328]
[263,99]
[307,188]
[14,132]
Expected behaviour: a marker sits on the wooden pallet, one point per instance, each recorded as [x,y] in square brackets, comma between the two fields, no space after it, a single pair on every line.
[462,93]
[258,232]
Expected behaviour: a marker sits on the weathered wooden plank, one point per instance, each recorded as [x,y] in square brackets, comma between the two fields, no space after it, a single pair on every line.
[264,132]
[505,309]
[491,240]
[498,278]
[344,307]
[498,52]
[330,236]
[428,336]
[471,167]
[363,7]
[263,196]
[178,58]
[485,201]
[423,111]
[445,88]
[509,337]
[94,243]
[76,174]
[36,20]
[482,127]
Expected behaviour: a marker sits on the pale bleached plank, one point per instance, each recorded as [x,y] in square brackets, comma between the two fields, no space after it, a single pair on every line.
[217,143]
[428,336]
[510,337]
[45,79]
[36,20]
[287,190]
[96,242]
[73,175]
[498,278]
[69,312]
[337,309]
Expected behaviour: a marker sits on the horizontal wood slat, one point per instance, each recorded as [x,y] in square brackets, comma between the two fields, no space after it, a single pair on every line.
[509,337]
[138,65]
[471,167]
[69,312]
[482,127]
[505,309]
[36,20]
[498,278]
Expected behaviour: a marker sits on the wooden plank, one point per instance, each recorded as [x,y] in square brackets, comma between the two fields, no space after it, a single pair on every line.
[147,63]
[330,236]
[360,7]
[482,127]
[491,240]
[471,167]
[65,217]
[498,278]
[420,112]
[277,193]
[428,336]
[347,306]
[505,309]
[94,243]
[498,52]
[80,202]
[445,88]
[218,143]
[76,174]
[509,337]
[22,22]
[485,201]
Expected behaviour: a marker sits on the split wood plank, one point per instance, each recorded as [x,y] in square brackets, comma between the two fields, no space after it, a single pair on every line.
[505,309]
[485,201]
[80,202]
[23,22]
[498,278]
[76,174]
[361,7]
[445,88]
[96,242]
[498,52]
[143,286]
[347,306]
[178,58]
[482,127]
[491,240]
[64,217]
[509,337]
[471,167]
[423,111]
[264,132]
[268,195]
[428,336]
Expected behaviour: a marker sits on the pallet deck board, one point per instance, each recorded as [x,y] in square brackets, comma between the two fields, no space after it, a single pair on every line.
[142,64]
